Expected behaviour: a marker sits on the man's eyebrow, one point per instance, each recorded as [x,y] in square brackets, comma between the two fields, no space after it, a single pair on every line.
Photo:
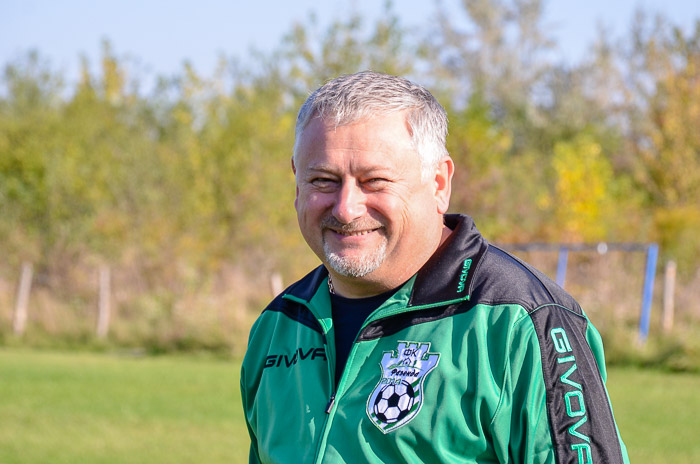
[320,168]
[377,169]
[331,169]
[370,170]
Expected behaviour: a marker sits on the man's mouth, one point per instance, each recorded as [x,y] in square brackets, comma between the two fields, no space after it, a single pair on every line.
[358,228]
[354,233]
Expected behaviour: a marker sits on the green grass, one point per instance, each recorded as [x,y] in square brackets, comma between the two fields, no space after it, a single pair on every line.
[92,408]
[658,414]
[95,408]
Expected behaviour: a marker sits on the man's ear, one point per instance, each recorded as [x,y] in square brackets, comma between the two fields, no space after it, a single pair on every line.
[443,183]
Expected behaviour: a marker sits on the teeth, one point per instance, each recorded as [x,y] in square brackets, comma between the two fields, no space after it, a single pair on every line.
[354,234]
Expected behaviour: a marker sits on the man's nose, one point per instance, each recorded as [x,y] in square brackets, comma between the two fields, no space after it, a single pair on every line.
[350,203]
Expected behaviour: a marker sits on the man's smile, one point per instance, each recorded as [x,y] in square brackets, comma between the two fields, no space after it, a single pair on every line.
[358,228]
[354,233]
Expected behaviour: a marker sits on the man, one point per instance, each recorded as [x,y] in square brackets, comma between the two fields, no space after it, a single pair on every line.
[415,340]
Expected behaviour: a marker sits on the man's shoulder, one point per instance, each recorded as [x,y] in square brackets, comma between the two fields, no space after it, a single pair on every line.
[306,287]
[505,279]
[290,302]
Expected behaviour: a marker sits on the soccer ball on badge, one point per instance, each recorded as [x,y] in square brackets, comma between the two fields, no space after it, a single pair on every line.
[394,402]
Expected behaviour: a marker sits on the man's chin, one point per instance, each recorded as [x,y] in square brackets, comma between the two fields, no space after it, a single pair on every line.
[353,266]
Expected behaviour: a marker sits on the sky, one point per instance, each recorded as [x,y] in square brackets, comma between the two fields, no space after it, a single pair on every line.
[159,35]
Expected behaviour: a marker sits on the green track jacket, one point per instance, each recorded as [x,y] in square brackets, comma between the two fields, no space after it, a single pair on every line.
[479,358]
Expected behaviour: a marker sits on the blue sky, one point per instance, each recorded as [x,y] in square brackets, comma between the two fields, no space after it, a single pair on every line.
[159,35]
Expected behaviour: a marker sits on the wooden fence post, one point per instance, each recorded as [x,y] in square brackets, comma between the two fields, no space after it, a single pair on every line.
[669,290]
[22,301]
[104,303]
[276,284]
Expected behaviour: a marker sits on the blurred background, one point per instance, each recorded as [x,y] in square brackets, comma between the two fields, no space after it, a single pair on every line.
[146,194]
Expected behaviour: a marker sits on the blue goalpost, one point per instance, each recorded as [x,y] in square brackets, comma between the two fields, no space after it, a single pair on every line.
[650,249]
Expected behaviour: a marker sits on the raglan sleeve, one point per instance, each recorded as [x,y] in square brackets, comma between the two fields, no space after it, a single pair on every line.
[555,406]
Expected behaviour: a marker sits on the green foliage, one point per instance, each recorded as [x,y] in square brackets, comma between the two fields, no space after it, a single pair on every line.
[677,232]
[313,57]
[480,149]
[583,178]
[677,352]
[181,189]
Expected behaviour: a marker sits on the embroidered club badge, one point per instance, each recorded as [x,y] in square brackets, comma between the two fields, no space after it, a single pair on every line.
[398,396]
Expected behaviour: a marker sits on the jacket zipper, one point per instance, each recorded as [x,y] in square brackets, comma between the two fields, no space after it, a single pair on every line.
[332,406]
[329,407]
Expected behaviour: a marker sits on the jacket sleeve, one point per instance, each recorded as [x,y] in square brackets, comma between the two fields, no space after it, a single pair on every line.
[253,456]
[555,407]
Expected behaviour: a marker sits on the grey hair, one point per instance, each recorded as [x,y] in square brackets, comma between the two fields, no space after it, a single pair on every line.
[354,97]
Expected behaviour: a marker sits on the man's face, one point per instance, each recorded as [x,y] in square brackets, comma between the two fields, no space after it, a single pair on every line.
[361,203]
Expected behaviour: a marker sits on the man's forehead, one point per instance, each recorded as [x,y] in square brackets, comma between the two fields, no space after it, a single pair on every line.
[381,142]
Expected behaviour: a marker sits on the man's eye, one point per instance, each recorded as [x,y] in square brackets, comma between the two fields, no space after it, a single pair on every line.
[376,181]
[322,182]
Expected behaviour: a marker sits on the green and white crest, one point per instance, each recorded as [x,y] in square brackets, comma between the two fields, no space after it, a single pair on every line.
[398,396]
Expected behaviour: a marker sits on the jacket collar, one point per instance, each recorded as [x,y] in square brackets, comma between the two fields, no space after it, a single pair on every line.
[446,277]
[448,274]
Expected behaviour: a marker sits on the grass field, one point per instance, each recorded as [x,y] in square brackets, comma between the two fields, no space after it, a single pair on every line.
[72,408]
[658,414]
[67,408]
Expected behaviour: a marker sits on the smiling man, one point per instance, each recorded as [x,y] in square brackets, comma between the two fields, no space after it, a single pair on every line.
[363,205]
[415,340]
